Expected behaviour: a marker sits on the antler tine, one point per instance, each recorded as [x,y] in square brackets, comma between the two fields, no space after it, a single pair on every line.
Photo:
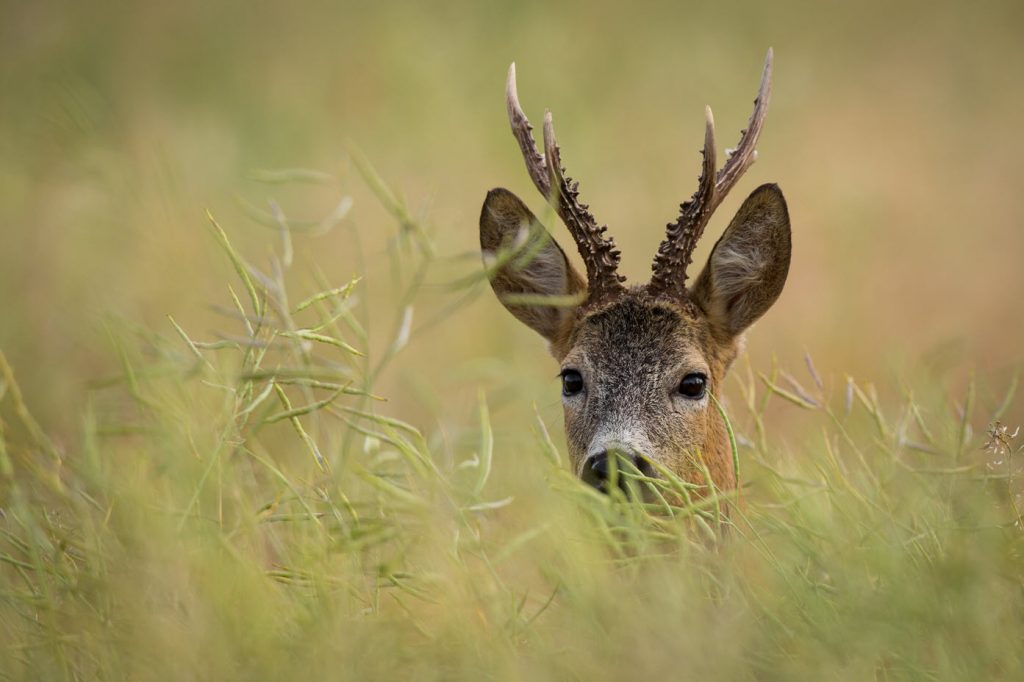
[745,154]
[523,132]
[599,254]
[676,251]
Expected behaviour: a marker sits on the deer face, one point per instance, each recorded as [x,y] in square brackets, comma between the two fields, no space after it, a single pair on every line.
[636,381]
[639,365]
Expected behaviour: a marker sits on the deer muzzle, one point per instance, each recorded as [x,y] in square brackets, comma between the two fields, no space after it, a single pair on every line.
[618,466]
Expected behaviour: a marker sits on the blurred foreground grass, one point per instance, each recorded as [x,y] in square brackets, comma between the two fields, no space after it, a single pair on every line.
[247,508]
[201,483]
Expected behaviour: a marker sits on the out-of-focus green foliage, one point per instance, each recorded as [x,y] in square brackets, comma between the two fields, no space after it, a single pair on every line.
[247,507]
[201,482]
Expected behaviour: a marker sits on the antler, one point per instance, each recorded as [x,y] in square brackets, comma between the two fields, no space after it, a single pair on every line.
[600,256]
[676,251]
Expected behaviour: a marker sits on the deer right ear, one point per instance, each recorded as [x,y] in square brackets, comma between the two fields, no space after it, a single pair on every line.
[528,270]
[748,266]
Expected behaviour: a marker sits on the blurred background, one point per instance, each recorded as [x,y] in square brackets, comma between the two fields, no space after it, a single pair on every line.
[893,131]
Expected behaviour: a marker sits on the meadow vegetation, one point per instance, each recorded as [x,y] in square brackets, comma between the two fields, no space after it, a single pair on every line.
[261,417]
[249,507]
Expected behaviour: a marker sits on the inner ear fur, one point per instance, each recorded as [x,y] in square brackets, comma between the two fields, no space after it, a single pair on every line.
[747,268]
[532,264]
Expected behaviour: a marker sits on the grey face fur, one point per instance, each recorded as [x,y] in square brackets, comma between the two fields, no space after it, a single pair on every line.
[632,357]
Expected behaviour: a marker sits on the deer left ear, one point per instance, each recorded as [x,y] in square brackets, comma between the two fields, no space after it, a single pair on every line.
[748,266]
[540,273]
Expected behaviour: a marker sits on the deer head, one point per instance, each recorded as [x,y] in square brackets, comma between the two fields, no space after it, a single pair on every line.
[640,364]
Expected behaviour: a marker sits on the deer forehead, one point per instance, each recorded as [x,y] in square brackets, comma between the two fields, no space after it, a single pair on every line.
[638,341]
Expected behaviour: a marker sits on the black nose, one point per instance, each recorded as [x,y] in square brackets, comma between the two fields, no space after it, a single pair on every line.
[597,470]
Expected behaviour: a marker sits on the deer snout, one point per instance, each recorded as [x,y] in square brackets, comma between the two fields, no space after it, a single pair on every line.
[622,464]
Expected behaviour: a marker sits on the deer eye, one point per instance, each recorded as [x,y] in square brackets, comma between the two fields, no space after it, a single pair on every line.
[572,382]
[693,386]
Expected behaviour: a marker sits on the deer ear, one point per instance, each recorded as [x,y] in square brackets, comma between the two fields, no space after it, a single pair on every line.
[527,265]
[749,264]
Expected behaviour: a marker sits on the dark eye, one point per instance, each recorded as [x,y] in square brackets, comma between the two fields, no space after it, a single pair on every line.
[693,386]
[572,382]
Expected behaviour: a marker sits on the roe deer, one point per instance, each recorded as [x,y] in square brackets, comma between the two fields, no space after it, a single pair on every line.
[639,363]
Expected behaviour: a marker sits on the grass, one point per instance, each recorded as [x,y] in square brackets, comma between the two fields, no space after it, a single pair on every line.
[249,508]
